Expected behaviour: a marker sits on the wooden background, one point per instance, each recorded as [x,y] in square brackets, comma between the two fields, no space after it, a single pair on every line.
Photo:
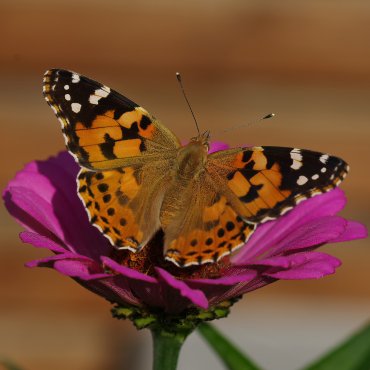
[307,61]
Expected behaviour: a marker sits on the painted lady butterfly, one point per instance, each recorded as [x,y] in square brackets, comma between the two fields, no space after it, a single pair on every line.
[136,177]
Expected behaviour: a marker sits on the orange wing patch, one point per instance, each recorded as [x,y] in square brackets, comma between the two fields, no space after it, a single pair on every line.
[106,196]
[109,139]
[216,239]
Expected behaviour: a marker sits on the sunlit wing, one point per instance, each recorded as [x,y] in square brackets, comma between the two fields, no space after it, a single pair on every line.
[102,128]
[205,226]
[263,183]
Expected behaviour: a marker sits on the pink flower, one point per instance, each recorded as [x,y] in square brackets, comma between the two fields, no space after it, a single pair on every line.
[43,199]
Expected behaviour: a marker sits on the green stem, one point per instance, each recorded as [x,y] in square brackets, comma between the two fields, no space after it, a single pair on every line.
[166,346]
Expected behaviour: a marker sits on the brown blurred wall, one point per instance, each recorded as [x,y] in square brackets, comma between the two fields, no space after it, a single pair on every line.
[307,61]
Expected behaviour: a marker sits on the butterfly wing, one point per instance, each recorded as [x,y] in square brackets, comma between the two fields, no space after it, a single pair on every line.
[203,226]
[240,188]
[263,183]
[124,151]
[102,128]
[125,203]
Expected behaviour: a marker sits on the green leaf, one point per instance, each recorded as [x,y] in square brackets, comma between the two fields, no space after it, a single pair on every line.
[232,357]
[353,354]
[8,365]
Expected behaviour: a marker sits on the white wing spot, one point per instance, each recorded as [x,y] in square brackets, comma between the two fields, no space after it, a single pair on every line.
[324,158]
[67,97]
[315,177]
[323,170]
[103,92]
[75,78]
[98,94]
[296,165]
[302,180]
[66,87]
[93,99]
[296,156]
[76,107]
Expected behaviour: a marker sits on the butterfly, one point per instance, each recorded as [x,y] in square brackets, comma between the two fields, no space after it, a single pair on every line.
[137,178]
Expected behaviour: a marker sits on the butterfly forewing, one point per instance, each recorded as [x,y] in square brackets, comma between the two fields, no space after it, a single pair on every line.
[102,128]
[266,182]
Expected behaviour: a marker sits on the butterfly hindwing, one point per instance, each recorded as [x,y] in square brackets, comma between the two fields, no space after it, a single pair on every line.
[204,226]
[266,182]
[102,128]
[124,203]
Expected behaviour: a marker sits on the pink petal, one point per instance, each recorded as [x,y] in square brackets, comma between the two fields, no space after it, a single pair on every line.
[216,146]
[40,241]
[353,230]
[33,212]
[49,261]
[270,233]
[144,287]
[126,271]
[82,269]
[230,279]
[310,265]
[173,288]
[53,182]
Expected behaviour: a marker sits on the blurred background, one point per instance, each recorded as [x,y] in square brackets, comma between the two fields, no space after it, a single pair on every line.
[306,61]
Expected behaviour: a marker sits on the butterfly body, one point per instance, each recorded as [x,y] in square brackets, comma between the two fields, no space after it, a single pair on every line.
[191,159]
[137,178]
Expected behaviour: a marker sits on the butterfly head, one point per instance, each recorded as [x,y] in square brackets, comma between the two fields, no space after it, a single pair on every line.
[192,157]
[202,139]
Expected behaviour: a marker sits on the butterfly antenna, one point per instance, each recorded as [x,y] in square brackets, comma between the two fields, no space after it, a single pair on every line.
[178,76]
[267,116]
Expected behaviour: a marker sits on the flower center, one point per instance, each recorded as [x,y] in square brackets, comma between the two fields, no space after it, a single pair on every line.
[151,256]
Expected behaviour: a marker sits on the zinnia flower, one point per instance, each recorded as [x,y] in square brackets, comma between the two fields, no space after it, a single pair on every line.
[43,199]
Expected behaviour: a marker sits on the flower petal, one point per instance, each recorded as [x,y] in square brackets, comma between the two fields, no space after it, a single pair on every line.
[270,233]
[174,289]
[216,146]
[84,269]
[126,271]
[235,276]
[313,233]
[43,198]
[40,241]
[353,230]
[49,261]
[33,212]
[145,287]
[308,265]
[89,274]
